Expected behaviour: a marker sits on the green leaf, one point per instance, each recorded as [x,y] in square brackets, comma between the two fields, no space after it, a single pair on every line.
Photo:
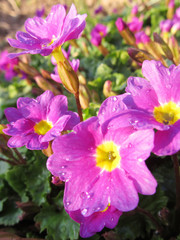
[57,223]
[37,178]
[10,214]
[4,166]
[16,178]
[103,71]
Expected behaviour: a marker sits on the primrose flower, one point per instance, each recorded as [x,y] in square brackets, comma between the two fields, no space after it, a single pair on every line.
[102,167]
[97,33]
[142,37]
[35,122]
[97,221]
[165,25]
[7,65]
[74,64]
[44,35]
[157,97]
[40,12]
[135,25]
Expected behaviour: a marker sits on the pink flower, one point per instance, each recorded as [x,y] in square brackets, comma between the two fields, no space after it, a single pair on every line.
[165,25]
[98,33]
[103,167]
[40,12]
[142,37]
[44,35]
[97,221]
[135,25]
[74,64]
[120,24]
[35,122]
[7,65]
[158,101]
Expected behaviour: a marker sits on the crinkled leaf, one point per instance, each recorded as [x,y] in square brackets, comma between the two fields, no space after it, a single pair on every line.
[57,223]
[37,178]
[10,214]
[16,178]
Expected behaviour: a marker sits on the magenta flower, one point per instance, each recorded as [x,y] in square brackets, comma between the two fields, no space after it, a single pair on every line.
[74,64]
[165,25]
[98,10]
[7,65]
[102,167]
[40,12]
[97,221]
[120,24]
[98,33]
[158,99]
[135,25]
[35,122]
[142,37]
[44,35]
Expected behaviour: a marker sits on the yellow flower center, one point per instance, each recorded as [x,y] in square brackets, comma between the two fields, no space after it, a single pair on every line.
[167,114]
[107,156]
[42,127]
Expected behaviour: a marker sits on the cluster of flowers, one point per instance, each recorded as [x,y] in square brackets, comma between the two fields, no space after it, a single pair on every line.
[171,25]
[102,159]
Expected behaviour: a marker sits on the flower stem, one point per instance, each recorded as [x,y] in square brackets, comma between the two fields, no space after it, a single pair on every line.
[78,106]
[177,178]
[8,161]
[19,156]
[151,217]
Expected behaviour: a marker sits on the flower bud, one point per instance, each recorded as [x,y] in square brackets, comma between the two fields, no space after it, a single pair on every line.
[107,89]
[66,73]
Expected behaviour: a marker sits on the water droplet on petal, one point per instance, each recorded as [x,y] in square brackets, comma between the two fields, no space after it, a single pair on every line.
[112,219]
[140,160]
[84,211]
[67,204]
[114,99]
[67,159]
[169,86]
[84,195]
[130,145]
[114,109]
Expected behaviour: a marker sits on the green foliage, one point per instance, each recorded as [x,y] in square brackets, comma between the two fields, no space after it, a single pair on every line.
[57,223]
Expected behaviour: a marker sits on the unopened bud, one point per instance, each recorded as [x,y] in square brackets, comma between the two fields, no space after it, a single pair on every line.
[84,96]
[125,32]
[173,44]
[107,89]
[165,48]
[46,85]
[56,181]
[48,151]
[66,73]
[139,55]
[31,71]
[170,11]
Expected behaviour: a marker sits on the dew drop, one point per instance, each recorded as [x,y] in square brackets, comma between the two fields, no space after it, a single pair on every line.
[67,159]
[130,145]
[84,211]
[169,86]
[114,99]
[84,195]
[107,188]
[140,160]
[112,219]
[67,204]
[114,109]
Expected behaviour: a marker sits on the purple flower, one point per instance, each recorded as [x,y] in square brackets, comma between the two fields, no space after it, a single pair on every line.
[135,25]
[166,25]
[98,10]
[44,35]
[101,166]
[97,33]
[158,101]
[177,14]
[35,122]
[120,24]
[142,37]
[134,10]
[74,64]
[40,12]
[7,65]
[97,221]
